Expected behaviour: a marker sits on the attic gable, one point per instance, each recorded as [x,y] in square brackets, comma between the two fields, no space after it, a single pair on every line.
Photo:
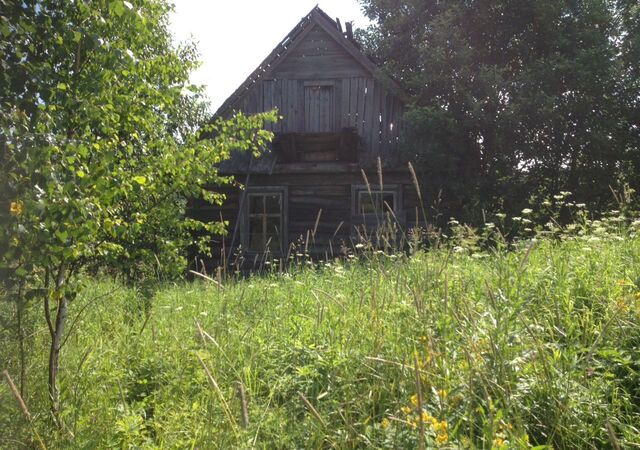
[314,46]
[317,55]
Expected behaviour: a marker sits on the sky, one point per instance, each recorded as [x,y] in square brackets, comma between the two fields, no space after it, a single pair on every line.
[234,36]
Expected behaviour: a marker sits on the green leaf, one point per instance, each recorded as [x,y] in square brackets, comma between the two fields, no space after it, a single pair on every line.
[140,180]
[62,86]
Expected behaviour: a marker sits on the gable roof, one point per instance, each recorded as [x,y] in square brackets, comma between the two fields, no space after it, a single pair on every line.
[315,17]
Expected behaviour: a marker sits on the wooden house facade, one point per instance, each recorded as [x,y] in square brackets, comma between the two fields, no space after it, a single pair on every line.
[340,124]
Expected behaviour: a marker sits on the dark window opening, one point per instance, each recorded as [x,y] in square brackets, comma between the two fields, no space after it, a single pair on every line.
[376,202]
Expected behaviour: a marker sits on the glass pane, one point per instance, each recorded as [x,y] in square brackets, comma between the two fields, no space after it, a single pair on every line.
[375,202]
[272,203]
[256,235]
[256,204]
[273,233]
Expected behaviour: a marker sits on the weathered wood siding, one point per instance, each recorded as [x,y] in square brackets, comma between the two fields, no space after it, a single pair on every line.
[343,87]
[309,195]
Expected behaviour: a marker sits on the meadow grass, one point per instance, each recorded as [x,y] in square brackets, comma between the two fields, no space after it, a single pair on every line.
[537,345]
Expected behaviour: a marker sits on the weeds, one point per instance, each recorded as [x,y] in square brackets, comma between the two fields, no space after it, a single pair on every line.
[493,338]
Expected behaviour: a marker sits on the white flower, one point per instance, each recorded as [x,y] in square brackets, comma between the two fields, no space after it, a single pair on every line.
[527,211]
[581,205]
[458,249]
[359,245]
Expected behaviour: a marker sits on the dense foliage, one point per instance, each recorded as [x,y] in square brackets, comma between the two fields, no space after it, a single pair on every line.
[536,344]
[99,147]
[511,99]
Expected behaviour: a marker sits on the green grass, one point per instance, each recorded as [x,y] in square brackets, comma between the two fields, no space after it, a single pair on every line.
[509,349]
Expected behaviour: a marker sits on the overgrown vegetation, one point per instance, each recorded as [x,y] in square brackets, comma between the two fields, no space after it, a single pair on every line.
[511,346]
[101,142]
[519,333]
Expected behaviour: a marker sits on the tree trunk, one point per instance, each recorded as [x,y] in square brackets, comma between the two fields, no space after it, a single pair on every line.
[57,332]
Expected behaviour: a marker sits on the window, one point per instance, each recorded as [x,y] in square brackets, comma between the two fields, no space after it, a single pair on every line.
[319,107]
[376,202]
[264,223]
[371,201]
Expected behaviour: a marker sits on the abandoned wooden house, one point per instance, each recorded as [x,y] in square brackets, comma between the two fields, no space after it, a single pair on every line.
[340,118]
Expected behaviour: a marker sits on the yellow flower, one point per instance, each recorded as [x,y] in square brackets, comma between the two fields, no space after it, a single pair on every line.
[440,426]
[405,409]
[443,393]
[385,423]
[414,399]
[498,442]
[426,417]
[15,208]
[442,438]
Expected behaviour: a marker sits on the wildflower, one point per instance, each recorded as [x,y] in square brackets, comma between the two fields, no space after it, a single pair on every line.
[426,417]
[359,245]
[527,211]
[501,215]
[440,427]
[490,225]
[498,442]
[565,193]
[414,399]
[442,393]
[546,203]
[517,219]
[442,438]
[558,197]
[405,409]
[385,423]
[458,249]
[581,205]
[15,209]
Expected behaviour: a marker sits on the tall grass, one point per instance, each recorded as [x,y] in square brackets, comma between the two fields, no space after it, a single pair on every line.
[513,345]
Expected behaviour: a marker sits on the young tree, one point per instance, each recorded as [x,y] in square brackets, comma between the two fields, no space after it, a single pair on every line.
[99,146]
[511,97]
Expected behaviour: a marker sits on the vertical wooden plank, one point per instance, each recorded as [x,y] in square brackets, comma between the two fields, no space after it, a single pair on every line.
[300,106]
[362,84]
[375,126]
[384,148]
[266,98]
[353,102]
[277,102]
[322,108]
[291,106]
[337,106]
[344,103]
[368,113]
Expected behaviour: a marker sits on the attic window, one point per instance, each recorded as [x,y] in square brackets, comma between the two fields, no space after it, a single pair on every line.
[319,106]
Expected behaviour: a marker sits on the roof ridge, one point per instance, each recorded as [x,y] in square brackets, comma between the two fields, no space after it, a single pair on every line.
[280,50]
